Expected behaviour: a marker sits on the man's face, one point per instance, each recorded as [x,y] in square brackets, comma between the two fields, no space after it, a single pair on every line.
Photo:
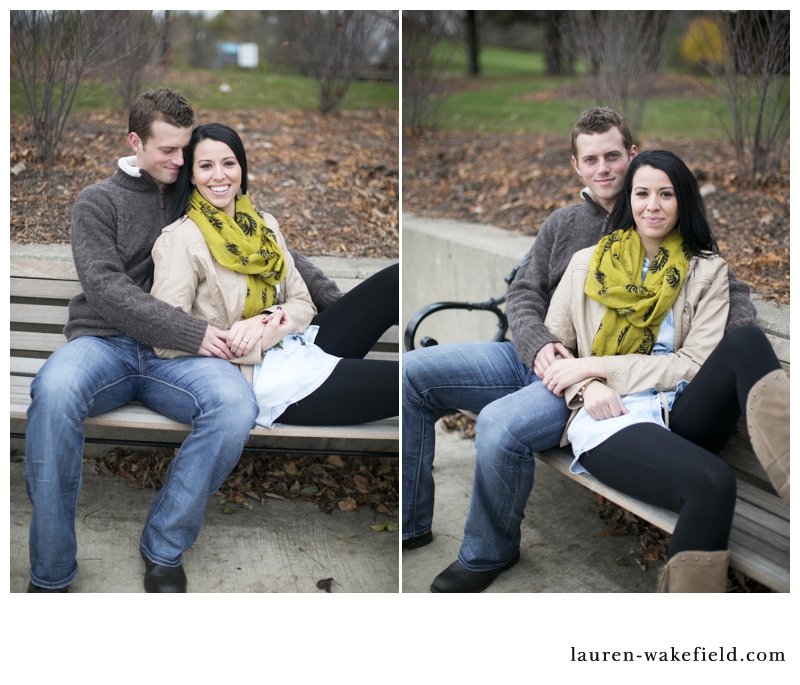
[602,162]
[161,156]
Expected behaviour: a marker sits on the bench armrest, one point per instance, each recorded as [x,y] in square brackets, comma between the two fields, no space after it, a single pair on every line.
[488,306]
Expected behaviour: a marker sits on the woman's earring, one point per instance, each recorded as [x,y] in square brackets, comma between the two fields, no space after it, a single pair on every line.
[239,193]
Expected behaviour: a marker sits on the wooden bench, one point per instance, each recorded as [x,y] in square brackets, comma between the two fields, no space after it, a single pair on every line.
[40,293]
[759,542]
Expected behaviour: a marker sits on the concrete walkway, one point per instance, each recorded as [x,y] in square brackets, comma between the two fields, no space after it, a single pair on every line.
[282,546]
[562,547]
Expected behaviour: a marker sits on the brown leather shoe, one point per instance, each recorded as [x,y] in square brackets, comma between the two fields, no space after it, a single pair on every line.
[158,578]
[36,588]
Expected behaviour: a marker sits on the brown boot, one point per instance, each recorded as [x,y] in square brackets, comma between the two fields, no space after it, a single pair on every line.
[768,424]
[694,571]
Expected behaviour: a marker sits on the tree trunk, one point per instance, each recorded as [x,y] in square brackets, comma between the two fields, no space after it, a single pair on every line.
[552,43]
[472,43]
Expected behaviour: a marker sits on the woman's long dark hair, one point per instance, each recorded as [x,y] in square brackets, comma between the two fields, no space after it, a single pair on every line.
[692,220]
[183,186]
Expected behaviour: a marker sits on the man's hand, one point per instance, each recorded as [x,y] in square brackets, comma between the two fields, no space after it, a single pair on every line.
[215,344]
[602,402]
[547,355]
[562,373]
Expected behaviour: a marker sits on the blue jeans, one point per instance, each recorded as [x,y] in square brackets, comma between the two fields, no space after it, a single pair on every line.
[92,375]
[517,417]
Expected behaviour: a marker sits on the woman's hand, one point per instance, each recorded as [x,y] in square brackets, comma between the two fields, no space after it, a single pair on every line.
[563,373]
[279,325]
[602,402]
[243,335]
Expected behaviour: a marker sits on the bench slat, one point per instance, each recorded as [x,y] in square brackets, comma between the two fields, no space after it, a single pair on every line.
[45,288]
[39,313]
[37,342]
[26,365]
[763,500]
[749,560]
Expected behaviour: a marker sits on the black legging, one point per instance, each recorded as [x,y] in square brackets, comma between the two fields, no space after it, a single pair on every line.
[359,390]
[678,468]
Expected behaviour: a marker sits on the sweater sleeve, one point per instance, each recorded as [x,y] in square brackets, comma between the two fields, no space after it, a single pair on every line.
[528,296]
[743,311]
[324,291]
[113,293]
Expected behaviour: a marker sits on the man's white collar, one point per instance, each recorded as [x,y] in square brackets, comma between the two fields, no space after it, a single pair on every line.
[128,165]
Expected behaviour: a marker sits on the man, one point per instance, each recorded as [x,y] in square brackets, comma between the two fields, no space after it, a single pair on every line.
[109,361]
[502,381]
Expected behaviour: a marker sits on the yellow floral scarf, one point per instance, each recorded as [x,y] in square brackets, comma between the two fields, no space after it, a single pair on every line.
[634,309]
[244,244]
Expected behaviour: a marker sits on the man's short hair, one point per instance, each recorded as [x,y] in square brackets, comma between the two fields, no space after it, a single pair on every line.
[162,104]
[600,120]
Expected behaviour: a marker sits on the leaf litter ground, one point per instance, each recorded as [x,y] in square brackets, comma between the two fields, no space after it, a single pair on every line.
[331,182]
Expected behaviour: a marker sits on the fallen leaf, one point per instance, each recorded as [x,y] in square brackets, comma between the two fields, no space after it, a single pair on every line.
[386,525]
[308,491]
[347,504]
[336,461]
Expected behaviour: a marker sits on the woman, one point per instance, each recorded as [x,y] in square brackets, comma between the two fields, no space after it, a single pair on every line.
[223,262]
[646,311]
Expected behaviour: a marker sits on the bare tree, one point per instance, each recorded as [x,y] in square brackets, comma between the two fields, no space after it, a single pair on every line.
[426,55]
[751,67]
[128,57]
[623,52]
[332,44]
[51,51]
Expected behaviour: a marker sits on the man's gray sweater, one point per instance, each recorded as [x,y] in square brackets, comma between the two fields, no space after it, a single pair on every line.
[566,231]
[114,226]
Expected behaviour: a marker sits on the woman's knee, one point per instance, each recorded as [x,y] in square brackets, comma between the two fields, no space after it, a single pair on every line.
[746,343]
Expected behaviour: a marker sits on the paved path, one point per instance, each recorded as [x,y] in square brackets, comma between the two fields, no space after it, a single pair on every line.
[282,546]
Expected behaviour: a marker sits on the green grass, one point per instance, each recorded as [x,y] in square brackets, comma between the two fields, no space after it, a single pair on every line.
[510,108]
[500,62]
[513,94]
[248,91]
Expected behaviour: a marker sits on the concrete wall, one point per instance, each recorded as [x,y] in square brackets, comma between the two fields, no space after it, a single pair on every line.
[452,260]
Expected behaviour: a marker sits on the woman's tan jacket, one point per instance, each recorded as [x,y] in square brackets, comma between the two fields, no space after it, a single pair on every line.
[187,276]
[701,312]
